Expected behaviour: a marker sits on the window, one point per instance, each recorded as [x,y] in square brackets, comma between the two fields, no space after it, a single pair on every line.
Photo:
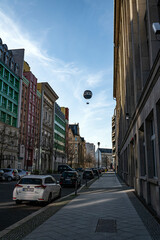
[12,79]
[49,180]
[28,128]
[6,74]
[8,119]
[2,116]
[5,88]
[16,96]
[17,84]
[10,92]
[1,70]
[14,108]
[9,105]
[151,148]
[14,122]
[3,102]
[142,146]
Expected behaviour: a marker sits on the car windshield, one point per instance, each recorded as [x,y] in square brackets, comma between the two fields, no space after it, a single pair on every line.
[31,181]
[6,170]
[68,174]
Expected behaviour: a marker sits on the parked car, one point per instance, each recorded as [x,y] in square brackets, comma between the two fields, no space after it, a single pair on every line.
[69,178]
[2,175]
[79,169]
[95,172]
[22,173]
[88,174]
[41,188]
[64,167]
[10,174]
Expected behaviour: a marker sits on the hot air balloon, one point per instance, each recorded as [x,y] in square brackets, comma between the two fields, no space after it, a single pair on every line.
[87,95]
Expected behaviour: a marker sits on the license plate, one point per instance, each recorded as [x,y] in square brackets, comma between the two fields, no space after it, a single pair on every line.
[28,189]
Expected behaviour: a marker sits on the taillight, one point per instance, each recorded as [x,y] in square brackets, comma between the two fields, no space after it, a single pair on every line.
[41,186]
[18,185]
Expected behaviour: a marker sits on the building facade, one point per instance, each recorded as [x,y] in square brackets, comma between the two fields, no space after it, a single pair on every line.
[59,137]
[90,149]
[104,155]
[73,145]
[45,156]
[30,120]
[11,66]
[115,164]
[65,111]
[90,160]
[136,89]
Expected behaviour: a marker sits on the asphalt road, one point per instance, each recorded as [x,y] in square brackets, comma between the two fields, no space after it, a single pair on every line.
[10,212]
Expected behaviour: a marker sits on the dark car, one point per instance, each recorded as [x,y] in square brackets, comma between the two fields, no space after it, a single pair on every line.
[2,175]
[79,169]
[69,178]
[64,167]
[95,172]
[88,174]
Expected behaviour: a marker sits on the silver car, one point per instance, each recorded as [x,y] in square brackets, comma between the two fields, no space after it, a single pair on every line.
[10,174]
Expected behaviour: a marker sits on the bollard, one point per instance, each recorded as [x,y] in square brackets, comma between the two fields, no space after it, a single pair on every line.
[86,180]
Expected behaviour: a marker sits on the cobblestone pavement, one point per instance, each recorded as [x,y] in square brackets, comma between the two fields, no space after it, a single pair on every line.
[108,209]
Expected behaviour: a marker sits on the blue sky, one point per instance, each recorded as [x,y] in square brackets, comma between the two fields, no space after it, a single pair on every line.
[69,44]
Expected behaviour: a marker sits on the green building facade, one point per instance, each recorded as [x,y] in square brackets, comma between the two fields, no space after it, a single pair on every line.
[9,96]
[59,135]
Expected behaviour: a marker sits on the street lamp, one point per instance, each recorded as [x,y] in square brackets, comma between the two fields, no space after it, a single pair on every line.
[98,153]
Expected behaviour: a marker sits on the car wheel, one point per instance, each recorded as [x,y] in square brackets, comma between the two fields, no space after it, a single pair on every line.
[9,179]
[50,198]
[18,201]
[59,195]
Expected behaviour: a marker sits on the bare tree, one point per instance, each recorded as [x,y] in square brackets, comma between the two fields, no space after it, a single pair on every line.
[106,161]
[70,153]
[8,140]
[89,160]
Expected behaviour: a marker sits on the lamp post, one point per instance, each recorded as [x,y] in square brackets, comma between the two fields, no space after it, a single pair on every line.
[98,153]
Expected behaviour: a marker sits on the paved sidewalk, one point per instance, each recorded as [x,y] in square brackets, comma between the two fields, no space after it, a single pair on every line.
[103,211]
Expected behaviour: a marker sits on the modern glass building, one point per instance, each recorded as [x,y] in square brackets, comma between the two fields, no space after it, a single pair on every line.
[9,87]
[59,135]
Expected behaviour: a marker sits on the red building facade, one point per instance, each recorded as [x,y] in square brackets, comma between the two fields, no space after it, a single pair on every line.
[30,118]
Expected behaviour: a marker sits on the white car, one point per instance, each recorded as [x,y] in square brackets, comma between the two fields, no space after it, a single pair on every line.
[41,188]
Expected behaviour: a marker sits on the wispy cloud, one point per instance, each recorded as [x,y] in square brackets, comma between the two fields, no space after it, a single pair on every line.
[67,78]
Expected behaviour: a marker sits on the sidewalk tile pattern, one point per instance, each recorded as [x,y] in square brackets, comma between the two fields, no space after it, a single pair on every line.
[105,199]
